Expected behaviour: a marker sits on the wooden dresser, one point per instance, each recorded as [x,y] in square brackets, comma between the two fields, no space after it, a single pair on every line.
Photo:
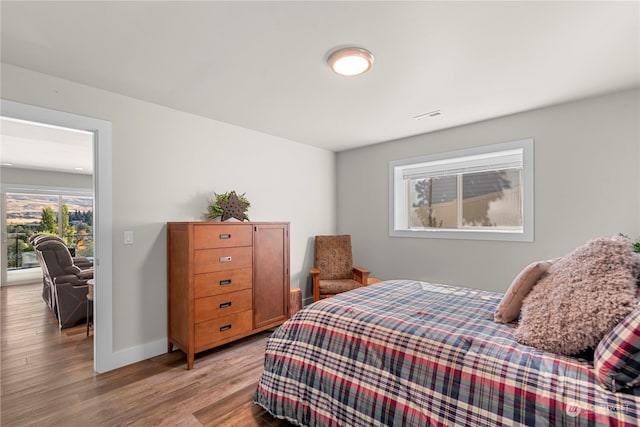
[226,281]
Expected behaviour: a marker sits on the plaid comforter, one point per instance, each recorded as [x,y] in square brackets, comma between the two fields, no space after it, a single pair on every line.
[408,353]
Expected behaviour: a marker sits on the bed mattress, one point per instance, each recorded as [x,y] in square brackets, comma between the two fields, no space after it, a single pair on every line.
[411,353]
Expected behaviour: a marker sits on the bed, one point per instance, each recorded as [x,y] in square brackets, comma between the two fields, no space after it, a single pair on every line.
[411,353]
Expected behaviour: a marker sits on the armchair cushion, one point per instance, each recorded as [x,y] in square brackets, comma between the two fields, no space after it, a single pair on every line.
[331,287]
[333,257]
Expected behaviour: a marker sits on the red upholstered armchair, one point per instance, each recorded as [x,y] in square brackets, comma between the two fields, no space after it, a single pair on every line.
[334,271]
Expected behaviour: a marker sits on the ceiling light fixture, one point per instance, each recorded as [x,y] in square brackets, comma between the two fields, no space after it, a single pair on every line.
[350,61]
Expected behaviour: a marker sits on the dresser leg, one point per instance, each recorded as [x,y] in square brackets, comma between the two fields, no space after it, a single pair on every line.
[191,355]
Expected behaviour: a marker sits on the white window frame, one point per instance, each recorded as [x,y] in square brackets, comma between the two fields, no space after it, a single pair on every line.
[398,204]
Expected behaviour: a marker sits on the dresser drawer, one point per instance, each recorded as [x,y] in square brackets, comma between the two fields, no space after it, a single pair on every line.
[209,284]
[211,260]
[222,305]
[207,236]
[208,334]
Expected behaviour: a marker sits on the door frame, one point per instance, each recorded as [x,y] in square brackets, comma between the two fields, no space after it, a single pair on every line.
[103,353]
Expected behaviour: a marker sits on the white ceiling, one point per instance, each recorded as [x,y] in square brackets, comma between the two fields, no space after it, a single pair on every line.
[35,146]
[262,65]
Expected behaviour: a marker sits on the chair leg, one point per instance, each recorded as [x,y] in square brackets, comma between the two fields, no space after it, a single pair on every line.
[315,279]
[89,314]
[46,293]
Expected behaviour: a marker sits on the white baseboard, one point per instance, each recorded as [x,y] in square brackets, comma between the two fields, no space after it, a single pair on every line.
[135,354]
[148,350]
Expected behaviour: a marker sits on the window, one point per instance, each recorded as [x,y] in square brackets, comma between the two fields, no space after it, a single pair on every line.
[69,217]
[482,193]
[24,215]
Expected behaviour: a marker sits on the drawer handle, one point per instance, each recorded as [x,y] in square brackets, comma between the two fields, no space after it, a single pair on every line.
[225,259]
[225,236]
[225,282]
[225,304]
[225,328]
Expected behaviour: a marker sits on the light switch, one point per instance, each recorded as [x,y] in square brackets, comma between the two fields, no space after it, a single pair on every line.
[128,237]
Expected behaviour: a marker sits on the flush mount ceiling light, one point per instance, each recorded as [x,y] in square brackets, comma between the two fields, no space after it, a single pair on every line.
[350,61]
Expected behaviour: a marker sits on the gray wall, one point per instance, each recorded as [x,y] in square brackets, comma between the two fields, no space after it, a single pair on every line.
[587,184]
[166,165]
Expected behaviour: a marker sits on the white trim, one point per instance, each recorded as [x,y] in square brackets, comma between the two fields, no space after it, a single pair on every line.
[44,189]
[105,358]
[140,352]
[398,203]
[3,241]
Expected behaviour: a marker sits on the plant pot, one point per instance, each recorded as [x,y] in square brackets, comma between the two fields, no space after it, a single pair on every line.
[219,219]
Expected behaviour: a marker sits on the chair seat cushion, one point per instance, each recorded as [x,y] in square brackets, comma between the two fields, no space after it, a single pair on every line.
[330,287]
[69,278]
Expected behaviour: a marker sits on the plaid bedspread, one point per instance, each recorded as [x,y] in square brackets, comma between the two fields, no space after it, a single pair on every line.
[408,353]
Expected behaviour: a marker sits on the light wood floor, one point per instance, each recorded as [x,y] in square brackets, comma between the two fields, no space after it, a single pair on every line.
[47,377]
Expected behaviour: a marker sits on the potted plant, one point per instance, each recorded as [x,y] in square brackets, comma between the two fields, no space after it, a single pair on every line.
[228,206]
[636,244]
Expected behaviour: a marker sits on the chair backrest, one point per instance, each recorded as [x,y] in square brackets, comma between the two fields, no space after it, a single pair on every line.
[56,256]
[45,273]
[39,238]
[333,257]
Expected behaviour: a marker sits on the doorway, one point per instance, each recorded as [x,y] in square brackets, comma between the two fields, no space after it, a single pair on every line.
[100,132]
[47,187]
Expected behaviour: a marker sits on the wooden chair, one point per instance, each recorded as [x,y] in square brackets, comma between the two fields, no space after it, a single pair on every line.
[334,271]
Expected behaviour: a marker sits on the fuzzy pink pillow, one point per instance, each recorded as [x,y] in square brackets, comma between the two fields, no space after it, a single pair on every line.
[581,298]
[509,308]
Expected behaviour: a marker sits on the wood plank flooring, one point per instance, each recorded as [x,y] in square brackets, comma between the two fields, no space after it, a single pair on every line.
[47,377]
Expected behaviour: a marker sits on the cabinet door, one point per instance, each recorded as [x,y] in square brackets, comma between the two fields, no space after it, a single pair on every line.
[270,274]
